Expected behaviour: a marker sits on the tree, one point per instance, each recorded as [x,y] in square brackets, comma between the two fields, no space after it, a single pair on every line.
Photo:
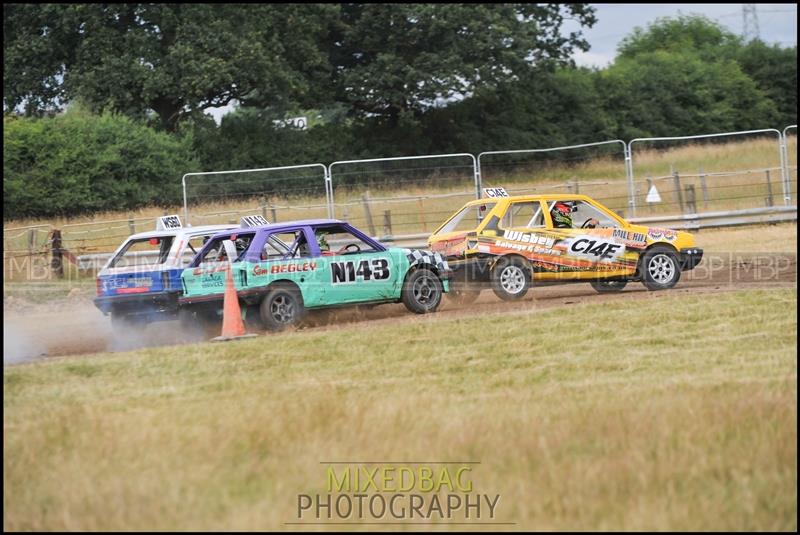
[170,59]
[685,33]
[175,60]
[79,163]
[673,94]
[774,69]
[397,60]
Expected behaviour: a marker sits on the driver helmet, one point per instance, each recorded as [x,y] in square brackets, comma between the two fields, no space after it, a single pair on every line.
[323,242]
[561,214]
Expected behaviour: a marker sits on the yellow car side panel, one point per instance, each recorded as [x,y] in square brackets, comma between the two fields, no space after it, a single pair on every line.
[558,254]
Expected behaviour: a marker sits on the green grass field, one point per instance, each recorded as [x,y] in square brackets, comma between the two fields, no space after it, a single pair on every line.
[668,413]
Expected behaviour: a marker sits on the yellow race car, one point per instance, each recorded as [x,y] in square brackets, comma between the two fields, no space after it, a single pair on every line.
[508,242]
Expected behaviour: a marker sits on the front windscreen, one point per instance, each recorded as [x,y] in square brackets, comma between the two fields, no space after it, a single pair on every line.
[468,218]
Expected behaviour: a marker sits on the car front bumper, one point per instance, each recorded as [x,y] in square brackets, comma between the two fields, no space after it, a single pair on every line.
[689,258]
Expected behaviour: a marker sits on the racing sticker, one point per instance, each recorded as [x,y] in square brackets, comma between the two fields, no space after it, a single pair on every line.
[350,271]
[635,240]
[285,268]
[421,256]
[662,233]
[494,193]
[527,241]
[594,248]
[168,222]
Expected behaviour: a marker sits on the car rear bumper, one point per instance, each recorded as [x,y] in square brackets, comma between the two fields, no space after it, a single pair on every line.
[135,304]
[689,258]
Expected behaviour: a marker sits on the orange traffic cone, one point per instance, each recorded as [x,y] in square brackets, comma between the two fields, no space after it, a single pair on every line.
[232,324]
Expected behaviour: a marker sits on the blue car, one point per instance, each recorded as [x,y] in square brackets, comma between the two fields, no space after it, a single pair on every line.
[141,282]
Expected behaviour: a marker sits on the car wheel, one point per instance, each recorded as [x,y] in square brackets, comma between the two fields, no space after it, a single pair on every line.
[422,291]
[603,286]
[282,307]
[660,269]
[511,279]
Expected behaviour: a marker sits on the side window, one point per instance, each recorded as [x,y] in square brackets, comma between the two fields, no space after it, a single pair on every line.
[523,214]
[338,240]
[579,214]
[144,252]
[193,247]
[284,245]
[216,253]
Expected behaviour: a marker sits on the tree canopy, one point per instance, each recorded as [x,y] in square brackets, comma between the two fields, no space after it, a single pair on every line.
[177,59]
[395,59]
[170,59]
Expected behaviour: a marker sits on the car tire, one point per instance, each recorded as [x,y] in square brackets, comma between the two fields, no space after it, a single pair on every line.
[282,307]
[511,278]
[422,291]
[608,286]
[659,268]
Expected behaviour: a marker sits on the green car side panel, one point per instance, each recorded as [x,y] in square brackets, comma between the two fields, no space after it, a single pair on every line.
[322,280]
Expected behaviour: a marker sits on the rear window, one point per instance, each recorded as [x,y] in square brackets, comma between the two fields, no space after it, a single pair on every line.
[144,252]
[468,218]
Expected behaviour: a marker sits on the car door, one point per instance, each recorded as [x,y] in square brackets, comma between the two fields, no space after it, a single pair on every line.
[587,241]
[285,254]
[353,270]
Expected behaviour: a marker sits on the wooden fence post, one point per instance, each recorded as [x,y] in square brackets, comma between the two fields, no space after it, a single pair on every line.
[387,223]
[690,199]
[131,224]
[264,207]
[57,261]
[677,179]
[704,188]
[368,213]
[274,211]
[770,201]
[31,241]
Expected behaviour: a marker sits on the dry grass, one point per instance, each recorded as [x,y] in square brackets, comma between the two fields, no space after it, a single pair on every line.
[671,413]
[780,238]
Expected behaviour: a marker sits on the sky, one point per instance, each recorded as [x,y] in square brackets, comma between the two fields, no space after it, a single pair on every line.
[777,24]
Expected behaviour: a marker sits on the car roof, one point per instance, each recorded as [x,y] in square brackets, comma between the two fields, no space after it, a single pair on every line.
[541,197]
[201,229]
[295,223]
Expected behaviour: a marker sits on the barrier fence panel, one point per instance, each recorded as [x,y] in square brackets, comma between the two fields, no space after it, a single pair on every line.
[403,195]
[790,162]
[26,251]
[714,172]
[594,169]
[277,193]
[725,175]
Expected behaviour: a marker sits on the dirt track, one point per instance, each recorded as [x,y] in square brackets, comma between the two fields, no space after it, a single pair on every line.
[76,327]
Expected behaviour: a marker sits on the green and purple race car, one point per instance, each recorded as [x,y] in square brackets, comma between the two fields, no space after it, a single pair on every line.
[280,270]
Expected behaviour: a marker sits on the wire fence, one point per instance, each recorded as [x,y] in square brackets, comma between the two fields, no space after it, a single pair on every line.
[394,197]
